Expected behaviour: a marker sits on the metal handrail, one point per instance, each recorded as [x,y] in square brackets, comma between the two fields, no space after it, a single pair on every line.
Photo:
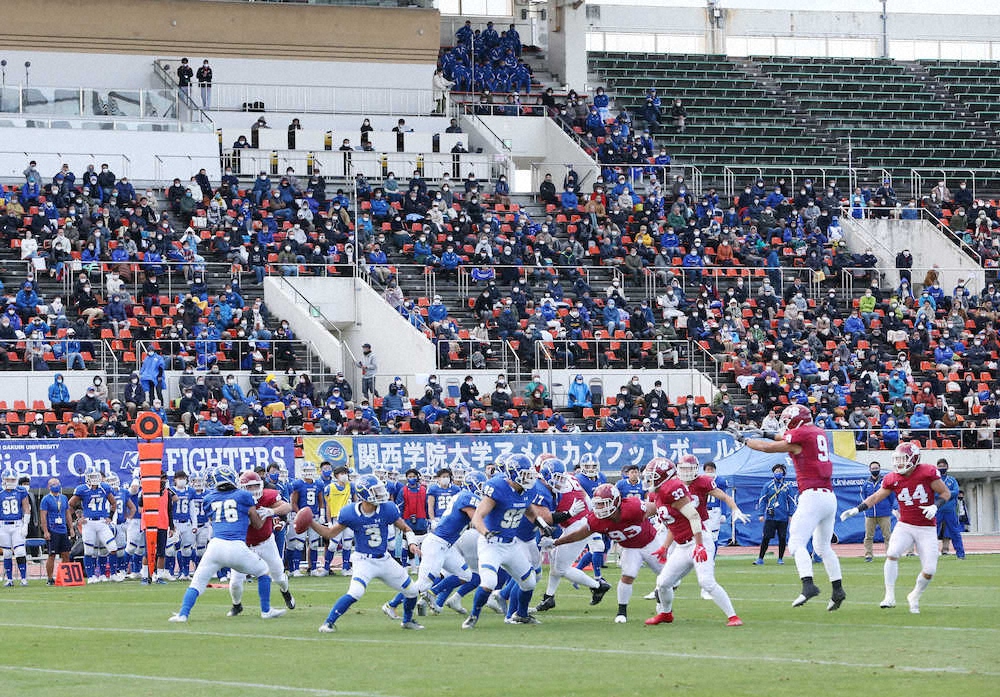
[555,353]
[323,99]
[93,158]
[242,347]
[196,113]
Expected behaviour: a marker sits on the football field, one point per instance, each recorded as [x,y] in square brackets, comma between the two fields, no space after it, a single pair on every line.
[114,639]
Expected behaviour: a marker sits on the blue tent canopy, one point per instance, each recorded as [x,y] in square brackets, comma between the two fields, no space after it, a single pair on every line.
[747,471]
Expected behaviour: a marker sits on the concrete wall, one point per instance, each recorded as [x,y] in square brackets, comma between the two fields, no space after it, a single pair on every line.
[183,154]
[284,303]
[928,245]
[567,50]
[364,317]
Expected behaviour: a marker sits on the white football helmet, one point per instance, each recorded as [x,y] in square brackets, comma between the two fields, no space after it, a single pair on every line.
[198,483]
[308,472]
[9,479]
[113,481]
[688,468]
[905,458]
[93,477]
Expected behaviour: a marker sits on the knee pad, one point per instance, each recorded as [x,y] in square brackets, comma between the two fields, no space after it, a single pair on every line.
[357,589]
[487,577]
[410,590]
[528,582]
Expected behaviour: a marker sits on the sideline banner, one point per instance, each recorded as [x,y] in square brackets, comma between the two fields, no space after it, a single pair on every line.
[69,458]
[614,450]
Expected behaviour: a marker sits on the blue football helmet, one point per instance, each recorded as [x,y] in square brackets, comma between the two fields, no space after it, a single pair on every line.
[224,478]
[521,470]
[475,480]
[371,489]
[590,466]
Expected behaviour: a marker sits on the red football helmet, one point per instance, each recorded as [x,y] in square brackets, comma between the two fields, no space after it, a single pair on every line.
[905,458]
[688,468]
[606,500]
[252,482]
[659,470]
[793,416]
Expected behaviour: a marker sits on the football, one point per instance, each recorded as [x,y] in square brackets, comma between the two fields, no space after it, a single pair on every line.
[303,519]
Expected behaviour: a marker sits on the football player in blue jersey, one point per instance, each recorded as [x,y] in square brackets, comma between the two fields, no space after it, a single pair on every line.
[370,519]
[506,499]
[306,491]
[438,553]
[124,512]
[631,483]
[232,511]
[15,514]
[183,524]
[274,478]
[97,500]
[135,536]
[440,493]
[590,477]
[199,516]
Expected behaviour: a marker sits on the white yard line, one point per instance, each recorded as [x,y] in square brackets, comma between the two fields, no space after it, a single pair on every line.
[271,687]
[411,642]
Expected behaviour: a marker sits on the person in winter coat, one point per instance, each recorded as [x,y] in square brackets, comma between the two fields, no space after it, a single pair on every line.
[151,374]
[579,396]
[59,396]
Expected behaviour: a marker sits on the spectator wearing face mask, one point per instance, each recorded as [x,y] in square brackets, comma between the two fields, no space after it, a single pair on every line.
[775,506]
[878,515]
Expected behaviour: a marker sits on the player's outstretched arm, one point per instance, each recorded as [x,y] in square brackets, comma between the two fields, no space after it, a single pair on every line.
[731,502]
[773,446]
[575,536]
[327,531]
[879,495]
[281,508]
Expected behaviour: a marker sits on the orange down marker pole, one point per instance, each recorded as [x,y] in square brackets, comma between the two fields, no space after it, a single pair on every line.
[149,428]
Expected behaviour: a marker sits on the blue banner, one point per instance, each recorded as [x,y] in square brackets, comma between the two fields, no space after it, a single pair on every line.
[68,459]
[613,450]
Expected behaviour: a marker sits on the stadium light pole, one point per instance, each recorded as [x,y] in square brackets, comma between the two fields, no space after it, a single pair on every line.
[885,30]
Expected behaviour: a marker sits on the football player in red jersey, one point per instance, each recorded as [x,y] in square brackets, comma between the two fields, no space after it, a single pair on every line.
[626,521]
[916,487]
[261,542]
[693,550]
[701,487]
[809,449]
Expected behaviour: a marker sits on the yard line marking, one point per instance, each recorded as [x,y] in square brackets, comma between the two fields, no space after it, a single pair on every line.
[954,670]
[196,681]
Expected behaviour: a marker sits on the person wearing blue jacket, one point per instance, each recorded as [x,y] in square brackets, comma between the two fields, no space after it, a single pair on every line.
[775,506]
[579,396]
[878,515]
[151,374]
[436,311]
[59,398]
[949,527]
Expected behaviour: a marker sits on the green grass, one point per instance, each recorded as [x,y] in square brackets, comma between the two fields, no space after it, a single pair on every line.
[105,638]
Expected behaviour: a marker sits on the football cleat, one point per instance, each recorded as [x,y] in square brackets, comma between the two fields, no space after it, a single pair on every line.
[650,596]
[455,603]
[318,573]
[389,611]
[9,583]
[808,591]
[272,613]
[289,600]
[50,582]
[327,628]
[734,621]
[470,622]
[781,562]
[510,620]
[705,595]
[178,618]
[24,581]
[621,619]
[758,562]
[236,609]
[914,602]
[411,625]
[548,603]
[838,597]
[527,620]
[90,580]
[118,577]
[497,604]
[298,573]
[660,618]
[887,602]
[597,594]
